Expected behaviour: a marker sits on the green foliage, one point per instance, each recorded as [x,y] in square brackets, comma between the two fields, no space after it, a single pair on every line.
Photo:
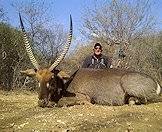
[8,47]
[12,56]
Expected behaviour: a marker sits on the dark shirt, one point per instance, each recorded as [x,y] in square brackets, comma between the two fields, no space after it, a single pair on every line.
[97,63]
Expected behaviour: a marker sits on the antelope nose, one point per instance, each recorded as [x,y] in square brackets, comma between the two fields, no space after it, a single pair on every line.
[42,103]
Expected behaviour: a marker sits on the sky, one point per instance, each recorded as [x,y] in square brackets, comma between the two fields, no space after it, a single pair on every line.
[62,8]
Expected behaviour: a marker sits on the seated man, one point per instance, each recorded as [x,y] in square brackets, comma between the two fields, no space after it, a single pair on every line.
[97,60]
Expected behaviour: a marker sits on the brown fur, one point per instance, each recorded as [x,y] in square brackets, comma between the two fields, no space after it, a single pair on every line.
[54,79]
[110,87]
[44,75]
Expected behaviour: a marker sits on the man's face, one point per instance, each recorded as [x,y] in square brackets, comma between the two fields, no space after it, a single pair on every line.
[97,50]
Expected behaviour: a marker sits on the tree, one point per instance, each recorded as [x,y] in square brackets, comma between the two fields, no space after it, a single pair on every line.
[118,22]
[3,17]
[9,55]
[128,26]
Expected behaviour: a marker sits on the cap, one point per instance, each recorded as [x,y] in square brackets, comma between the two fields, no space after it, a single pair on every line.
[98,44]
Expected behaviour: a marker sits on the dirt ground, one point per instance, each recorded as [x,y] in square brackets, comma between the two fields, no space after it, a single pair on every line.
[19,113]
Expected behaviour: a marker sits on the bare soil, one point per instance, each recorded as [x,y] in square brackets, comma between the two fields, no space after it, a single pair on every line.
[19,113]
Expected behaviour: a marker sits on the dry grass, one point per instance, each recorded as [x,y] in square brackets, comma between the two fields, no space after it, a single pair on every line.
[19,112]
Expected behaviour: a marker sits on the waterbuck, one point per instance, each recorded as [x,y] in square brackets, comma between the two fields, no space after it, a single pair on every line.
[51,81]
[100,86]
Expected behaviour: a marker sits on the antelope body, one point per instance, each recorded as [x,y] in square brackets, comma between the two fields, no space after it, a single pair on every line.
[111,87]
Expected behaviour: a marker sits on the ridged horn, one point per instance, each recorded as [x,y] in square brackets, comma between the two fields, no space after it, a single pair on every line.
[66,47]
[27,46]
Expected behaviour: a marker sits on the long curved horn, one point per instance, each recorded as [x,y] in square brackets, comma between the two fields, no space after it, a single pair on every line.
[66,47]
[28,47]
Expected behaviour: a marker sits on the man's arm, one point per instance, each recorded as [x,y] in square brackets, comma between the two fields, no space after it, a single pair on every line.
[108,61]
[86,62]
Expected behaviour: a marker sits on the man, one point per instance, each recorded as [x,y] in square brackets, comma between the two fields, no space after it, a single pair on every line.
[97,60]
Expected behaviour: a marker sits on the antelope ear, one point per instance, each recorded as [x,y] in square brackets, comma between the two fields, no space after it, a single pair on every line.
[29,72]
[63,75]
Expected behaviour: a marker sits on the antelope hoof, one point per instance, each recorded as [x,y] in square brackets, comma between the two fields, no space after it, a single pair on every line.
[132,101]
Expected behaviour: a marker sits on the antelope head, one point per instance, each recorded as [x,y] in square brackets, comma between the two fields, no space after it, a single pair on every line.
[49,79]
